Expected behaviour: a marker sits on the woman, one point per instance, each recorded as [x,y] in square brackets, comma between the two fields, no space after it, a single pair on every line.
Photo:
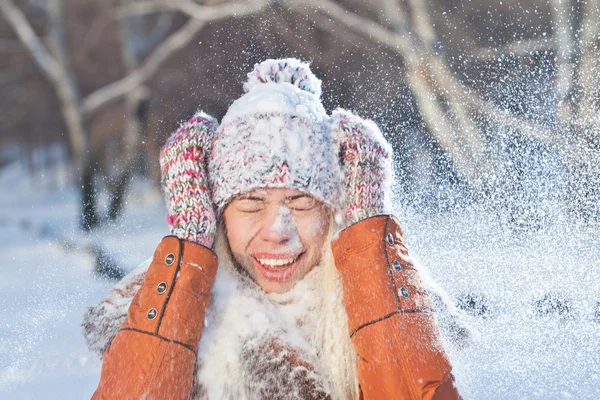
[284,276]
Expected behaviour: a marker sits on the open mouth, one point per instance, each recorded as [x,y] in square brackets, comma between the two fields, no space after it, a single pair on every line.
[277,269]
[275,264]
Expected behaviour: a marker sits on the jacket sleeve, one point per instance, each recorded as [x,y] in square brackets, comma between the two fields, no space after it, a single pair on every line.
[154,353]
[390,317]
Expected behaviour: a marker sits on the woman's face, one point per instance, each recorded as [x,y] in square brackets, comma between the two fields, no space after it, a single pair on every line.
[276,235]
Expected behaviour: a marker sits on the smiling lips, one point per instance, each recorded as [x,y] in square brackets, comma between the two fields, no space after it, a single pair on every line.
[277,267]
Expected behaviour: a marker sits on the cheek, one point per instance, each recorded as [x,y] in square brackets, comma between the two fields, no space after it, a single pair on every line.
[238,233]
[313,231]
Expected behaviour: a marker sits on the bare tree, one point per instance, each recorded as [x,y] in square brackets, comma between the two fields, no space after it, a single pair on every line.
[450,109]
[455,114]
[577,82]
[53,59]
[54,62]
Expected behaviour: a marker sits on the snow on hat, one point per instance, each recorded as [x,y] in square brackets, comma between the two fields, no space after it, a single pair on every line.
[277,135]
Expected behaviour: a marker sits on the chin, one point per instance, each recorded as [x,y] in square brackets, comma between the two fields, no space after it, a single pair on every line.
[274,285]
[277,287]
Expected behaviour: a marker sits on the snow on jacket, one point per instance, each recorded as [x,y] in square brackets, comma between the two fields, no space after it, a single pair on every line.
[382,341]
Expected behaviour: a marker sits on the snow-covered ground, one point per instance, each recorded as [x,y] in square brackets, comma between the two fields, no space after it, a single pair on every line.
[45,288]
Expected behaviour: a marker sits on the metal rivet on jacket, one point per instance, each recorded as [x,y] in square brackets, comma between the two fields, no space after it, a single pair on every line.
[152,313]
[170,259]
[397,266]
[161,288]
[390,239]
[404,292]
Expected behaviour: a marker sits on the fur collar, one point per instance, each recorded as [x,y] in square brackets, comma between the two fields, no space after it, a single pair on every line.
[253,345]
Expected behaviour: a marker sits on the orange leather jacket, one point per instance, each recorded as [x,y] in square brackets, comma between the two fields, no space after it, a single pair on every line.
[390,318]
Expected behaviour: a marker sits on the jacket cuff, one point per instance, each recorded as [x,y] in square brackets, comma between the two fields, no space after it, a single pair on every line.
[172,302]
[373,260]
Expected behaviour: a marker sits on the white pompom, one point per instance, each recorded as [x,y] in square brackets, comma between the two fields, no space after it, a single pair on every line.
[290,70]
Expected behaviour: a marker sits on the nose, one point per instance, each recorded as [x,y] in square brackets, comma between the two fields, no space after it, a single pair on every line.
[279,226]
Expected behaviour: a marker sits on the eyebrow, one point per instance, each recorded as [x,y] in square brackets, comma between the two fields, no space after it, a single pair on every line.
[297,196]
[288,198]
[253,198]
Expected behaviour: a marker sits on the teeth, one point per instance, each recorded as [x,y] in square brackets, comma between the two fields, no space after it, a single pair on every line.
[276,262]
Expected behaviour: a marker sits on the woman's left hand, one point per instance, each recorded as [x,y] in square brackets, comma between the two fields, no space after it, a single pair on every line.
[366,159]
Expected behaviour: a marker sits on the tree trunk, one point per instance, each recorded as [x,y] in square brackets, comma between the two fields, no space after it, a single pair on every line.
[133,45]
[70,99]
[55,65]
[89,218]
[588,76]
[561,21]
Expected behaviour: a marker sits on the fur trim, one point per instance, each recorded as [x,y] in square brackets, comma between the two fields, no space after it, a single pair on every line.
[455,325]
[102,322]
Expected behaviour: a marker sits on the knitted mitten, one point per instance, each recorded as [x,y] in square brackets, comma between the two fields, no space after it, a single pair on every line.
[366,159]
[183,163]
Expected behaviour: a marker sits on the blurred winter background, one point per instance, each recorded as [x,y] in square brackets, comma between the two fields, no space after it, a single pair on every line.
[493,109]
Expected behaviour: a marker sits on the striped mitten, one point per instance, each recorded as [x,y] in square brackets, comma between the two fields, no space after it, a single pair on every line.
[366,159]
[183,164]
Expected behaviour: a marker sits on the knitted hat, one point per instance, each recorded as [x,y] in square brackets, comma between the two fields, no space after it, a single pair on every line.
[277,135]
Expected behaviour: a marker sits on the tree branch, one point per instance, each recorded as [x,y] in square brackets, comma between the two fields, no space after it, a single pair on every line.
[16,19]
[373,31]
[115,90]
[200,16]
[428,79]
[392,15]
[56,68]
[452,89]
[192,9]
[520,48]
[214,13]
[588,82]
[159,31]
[529,129]
[139,8]
[361,25]
[560,11]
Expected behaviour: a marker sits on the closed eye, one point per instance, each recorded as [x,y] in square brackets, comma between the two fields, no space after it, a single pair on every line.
[250,204]
[301,202]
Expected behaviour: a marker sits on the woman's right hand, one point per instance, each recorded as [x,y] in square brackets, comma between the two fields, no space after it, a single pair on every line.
[183,161]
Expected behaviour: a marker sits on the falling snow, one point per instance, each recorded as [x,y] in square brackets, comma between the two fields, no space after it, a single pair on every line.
[498,191]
